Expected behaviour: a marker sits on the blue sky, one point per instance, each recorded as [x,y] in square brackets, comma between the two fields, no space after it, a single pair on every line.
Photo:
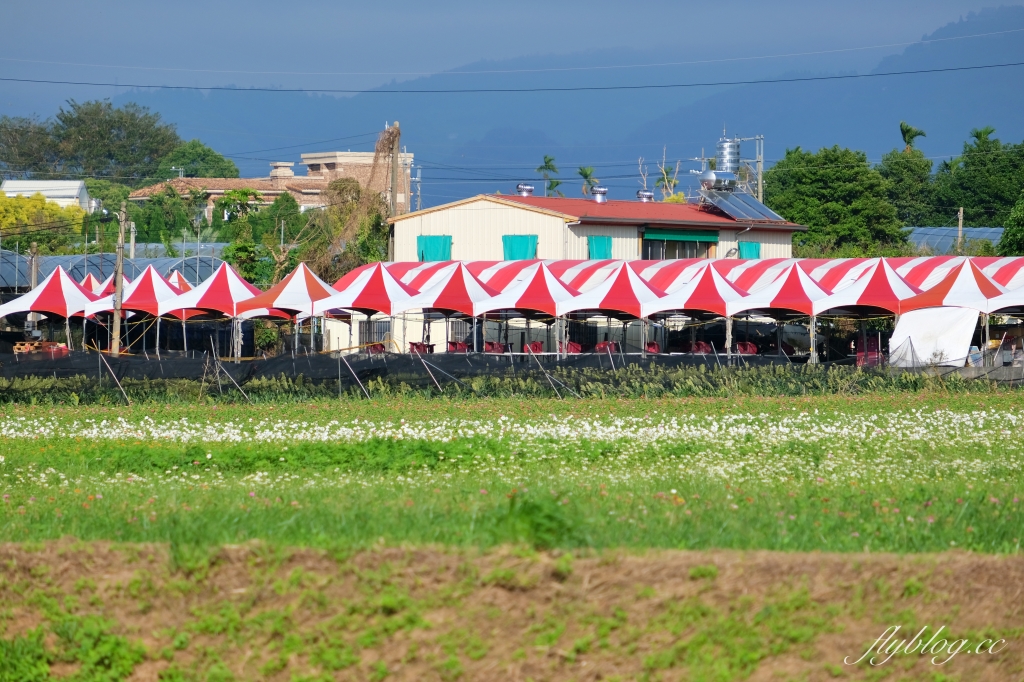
[361,45]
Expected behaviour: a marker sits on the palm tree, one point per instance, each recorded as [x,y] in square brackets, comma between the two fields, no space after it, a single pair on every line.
[910,133]
[589,181]
[547,167]
[552,188]
[982,134]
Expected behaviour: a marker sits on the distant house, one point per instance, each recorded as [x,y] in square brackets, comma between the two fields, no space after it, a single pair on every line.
[322,168]
[502,227]
[64,193]
[282,180]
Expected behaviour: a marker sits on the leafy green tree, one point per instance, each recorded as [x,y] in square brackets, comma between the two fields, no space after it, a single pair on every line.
[197,161]
[840,199]
[267,221]
[110,193]
[985,180]
[908,174]
[27,148]
[1012,241]
[240,205]
[552,188]
[95,139]
[546,170]
[166,216]
[252,261]
[589,181]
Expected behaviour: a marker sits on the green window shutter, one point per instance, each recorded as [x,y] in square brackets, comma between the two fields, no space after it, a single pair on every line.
[750,249]
[433,247]
[599,247]
[519,246]
[681,235]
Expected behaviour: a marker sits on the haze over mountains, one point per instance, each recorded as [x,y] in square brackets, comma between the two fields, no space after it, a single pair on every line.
[470,143]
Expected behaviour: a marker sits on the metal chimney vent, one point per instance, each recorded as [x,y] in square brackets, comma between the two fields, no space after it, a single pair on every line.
[645,195]
[599,193]
[524,189]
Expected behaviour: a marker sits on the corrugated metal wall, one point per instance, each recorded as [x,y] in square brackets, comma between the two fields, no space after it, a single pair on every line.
[773,244]
[477,227]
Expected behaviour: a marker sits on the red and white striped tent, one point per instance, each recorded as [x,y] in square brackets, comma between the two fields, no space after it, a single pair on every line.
[792,292]
[965,286]
[535,290]
[297,292]
[502,275]
[669,275]
[91,283]
[878,288]
[370,289]
[452,289]
[220,293]
[106,287]
[624,292]
[144,295]
[708,291]
[57,295]
[178,281]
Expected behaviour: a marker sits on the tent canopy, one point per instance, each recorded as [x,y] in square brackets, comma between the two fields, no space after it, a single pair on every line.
[963,286]
[454,290]
[372,289]
[624,293]
[878,288]
[57,295]
[793,293]
[296,292]
[537,291]
[707,292]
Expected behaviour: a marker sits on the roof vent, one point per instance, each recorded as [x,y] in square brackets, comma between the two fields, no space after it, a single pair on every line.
[524,189]
[645,195]
[599,193]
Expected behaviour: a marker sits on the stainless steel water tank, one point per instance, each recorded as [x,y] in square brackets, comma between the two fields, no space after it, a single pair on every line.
[727,155]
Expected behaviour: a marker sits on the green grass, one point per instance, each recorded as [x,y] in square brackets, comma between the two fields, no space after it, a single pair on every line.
[956,483]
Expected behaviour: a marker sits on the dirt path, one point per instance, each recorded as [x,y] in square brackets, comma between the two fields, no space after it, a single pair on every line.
[255,613]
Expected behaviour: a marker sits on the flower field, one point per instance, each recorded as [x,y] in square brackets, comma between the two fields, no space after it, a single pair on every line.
[902,473]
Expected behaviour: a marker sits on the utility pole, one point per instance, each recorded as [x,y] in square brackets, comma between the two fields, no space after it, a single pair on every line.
[760,168]
[131,249]
[419,188]
[33,318]
[122,220]
[960,229]
[395,153]
[282,235]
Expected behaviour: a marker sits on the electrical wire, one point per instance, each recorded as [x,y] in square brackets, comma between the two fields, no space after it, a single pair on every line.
[463,91]
[512,71]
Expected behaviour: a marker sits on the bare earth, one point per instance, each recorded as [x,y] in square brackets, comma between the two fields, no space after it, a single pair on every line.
[257,613]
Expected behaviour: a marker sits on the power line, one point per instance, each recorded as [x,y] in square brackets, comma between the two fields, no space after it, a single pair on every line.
[512,71]
[465,91]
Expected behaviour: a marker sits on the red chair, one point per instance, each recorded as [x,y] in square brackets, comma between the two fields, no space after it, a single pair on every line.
[702,348]
[421,348]
[494,347]
[458,347]
[572,348]
[746,348]
[653,347]
[534,347]
[375,349]
[605,346]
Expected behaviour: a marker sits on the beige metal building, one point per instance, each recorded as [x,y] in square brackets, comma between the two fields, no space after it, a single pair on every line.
[500,227]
